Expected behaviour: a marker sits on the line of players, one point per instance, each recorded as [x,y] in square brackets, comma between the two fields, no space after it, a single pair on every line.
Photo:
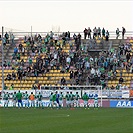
[23,99]
[55,100]
[71,100]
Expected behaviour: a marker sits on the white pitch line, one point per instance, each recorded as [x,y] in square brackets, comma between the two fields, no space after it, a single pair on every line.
[60,115]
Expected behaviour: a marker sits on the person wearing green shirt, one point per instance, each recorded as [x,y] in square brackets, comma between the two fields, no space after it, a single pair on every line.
[26,99]
[5,87]
[85,98]
[71,99]
[11,87]
[30,61]
[117,87]
[51,100]
[19,98]
[61,99]
[54,100]
[67,97]
[6,99]
[39,98]
[77,99]
[14,99]
[102,70]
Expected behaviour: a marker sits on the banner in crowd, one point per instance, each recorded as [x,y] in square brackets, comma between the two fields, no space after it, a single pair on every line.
[121,103]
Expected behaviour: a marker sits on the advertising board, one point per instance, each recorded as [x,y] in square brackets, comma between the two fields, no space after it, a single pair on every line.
[46,93]
[108,93]
[121,103]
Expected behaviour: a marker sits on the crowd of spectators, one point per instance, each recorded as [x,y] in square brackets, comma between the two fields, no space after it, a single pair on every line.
[45,54]
[101,33]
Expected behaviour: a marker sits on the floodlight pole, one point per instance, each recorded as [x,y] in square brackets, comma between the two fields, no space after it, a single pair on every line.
[31,31]
[2,59]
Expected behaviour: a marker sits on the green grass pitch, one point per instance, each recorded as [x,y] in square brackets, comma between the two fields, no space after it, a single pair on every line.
[80,120]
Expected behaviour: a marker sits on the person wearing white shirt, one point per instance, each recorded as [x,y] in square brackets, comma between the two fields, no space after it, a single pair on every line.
[87,65]
[55,55]
[56,38]
[68,59]
[93,71]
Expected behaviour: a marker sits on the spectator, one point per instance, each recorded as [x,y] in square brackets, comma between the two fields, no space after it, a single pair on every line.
[94,33]
[123,32]
[51,35]
[103,32]
[8,77]
[63,81]
[85,33]
[7,37]
[13,76]
[71,74]
[11,87]
[107,35]
[89,32]
[5,64]
[12,39]
[15,50]
[121,80]
[5,87]
[99,32]
[117,33]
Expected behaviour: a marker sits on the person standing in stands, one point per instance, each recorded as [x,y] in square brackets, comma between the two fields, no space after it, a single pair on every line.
[103,32]
[89,32]
[63,81]
[123,32]
[107,35]
[117,33]
[19,98]
[85,33]
[12,39]
[99,32]
[7,37]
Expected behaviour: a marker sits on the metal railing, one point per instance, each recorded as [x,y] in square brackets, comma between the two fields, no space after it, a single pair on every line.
[43,34]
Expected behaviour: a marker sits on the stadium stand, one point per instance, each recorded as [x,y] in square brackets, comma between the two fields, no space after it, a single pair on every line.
[64,60]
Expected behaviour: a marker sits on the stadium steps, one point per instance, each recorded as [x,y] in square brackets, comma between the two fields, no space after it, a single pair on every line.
[51,78]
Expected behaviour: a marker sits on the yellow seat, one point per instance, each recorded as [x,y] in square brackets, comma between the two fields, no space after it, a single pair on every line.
[131,41]
[124,71]
[118,74]
[67,78]
[125,74]
[117,82]
[51,71]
